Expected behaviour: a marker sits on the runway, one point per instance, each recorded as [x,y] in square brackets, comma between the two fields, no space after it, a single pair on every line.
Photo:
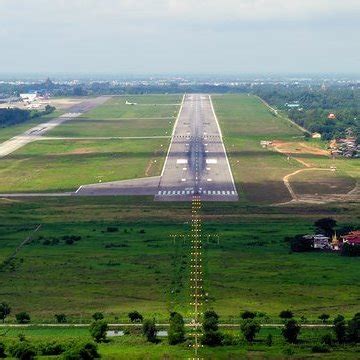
[196,163]
[17,142]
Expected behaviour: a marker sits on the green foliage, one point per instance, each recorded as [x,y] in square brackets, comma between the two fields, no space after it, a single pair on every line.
[286,314]
[350,250]
[250,328]
[5,311]
[247,315]
[97,316]
[22,350]
[300,244]
[291,331]
[149,330]
[60,318]
[176,334]
[340,328]
[82,351]
[135,316]
[320,348]
[324,317]
[327,339]
[325,226]
[269,340]
[211,335]
[2,351]
[98,330]
[51,348]
[353,329]
[22,317]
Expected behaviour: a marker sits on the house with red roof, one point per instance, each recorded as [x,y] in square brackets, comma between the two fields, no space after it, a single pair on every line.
[353,238]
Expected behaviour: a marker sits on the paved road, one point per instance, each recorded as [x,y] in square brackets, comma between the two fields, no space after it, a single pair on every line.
[197,162]
[32,134]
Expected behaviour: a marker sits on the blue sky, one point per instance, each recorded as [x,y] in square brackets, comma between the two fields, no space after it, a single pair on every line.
[180,36]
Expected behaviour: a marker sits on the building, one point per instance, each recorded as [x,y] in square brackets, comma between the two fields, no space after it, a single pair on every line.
[353,238]
[29,97]
[321,242]
[316,135]
[332,116]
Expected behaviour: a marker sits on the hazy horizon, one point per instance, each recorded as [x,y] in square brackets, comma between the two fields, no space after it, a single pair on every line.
[180,37]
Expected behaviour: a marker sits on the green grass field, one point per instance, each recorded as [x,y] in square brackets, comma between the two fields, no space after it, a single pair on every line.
[134,346]
[139,267]
[60,165]
[259,172]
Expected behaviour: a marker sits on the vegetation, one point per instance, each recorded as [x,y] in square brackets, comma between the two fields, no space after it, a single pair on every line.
[5,311]
[135,316]
[291,331]
[250,328]
[98,330]
[211,334]
[149,330]
[176,334]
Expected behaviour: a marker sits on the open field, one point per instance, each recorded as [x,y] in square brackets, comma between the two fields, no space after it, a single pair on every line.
[139,267]
[258,171]
[134,346]
[65,165]
[149,106]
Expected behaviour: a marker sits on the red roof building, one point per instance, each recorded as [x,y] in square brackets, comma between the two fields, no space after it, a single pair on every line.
[353,238]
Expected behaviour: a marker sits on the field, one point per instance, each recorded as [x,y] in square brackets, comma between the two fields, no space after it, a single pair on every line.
[259,172]
[61,165]
[134,346]
[137,265]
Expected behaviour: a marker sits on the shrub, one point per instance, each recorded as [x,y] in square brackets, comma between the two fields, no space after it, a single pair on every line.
[135,316]
[324,317]
[5,311]
[112,229]
[269,340]
[22,317]
[247,315]
[291,331]
[320,348]
[212,338]
[2,351]
[353,329]
[98,330]
[176,330]
[51,348]
[286,314]
[340,328]
[97,316]
[82,351]
[250,328]
[149,330]
[22,350]
[327,339]
[60,318]
[228,340]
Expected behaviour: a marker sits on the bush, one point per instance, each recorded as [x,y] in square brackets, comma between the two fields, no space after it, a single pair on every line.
[353,329]
[324,317]
[98,330]
[291,331]
[51,348]
[2,351]
[149,330]
[340,328]
[60,318]
[247,315]
[135,316]
[176,330]
[112,229]
[286,314]
[22,350]
[81,351]
[327,339]
[269,340]
[228,340]
[320,348]
[212,338]
[250,328]
[22,317]
[97,316]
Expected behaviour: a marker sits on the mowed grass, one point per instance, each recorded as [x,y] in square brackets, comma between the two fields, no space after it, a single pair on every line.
[139,266]
[111,128]
[258,173]
[65,165]
[147,106]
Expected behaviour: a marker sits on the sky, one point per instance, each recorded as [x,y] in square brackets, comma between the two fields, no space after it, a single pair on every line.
[179,36]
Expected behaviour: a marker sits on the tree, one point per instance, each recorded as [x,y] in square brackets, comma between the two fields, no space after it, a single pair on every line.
[97,316]
[2,351]
[286,314]
[22,317]
[324,317]
[269,340]
[60,318]
[353,329]
[326,226]
[135,316]
[98,330]
[149,330]
[211,334]
[5,311]
[291,331]
[247,315]
[250,328]
[301,244]
[340,328]
[176,333]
